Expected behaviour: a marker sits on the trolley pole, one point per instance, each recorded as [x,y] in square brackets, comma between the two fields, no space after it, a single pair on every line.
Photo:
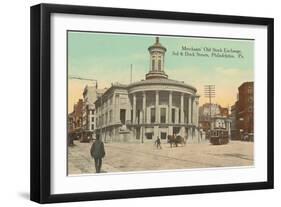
[210,92]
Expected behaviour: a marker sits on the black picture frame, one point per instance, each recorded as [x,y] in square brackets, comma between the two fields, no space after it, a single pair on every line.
[41,102]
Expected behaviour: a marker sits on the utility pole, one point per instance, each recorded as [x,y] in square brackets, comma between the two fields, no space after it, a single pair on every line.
[210,92]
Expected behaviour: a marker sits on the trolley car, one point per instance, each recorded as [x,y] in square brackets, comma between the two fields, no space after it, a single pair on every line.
[220,131]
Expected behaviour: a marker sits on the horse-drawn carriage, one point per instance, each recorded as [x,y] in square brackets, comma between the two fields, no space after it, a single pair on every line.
[176,140]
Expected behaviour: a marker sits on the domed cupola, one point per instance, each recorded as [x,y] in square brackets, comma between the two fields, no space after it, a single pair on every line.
[157,55]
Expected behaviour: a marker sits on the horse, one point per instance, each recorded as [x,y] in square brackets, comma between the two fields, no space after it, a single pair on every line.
[180,140]
[176,139]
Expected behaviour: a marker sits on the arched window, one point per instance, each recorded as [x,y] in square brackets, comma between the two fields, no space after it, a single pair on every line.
[159,65]
[153,64]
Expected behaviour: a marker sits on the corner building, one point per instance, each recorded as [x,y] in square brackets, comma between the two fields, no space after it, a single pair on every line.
[151,108]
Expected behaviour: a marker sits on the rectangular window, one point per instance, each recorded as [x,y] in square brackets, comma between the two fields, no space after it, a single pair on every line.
[152,115]
[159,65]
[153,64]
[173,115]
[123,115]
[163,135]
[250,99]
[250,90]
[149,135]
[110,116]
[138,133]
[93,126]
[93,119]
[163,115]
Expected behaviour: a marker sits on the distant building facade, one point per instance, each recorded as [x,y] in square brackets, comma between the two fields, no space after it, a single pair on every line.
[90,95]
[81,121]
[242,113]
[75,121]
[245,109]
[207,111]
[151,108]
[233,117]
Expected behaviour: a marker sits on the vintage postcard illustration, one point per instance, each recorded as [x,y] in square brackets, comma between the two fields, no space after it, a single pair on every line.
[156,102]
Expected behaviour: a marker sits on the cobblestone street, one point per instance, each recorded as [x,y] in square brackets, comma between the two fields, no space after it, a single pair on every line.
[123,157]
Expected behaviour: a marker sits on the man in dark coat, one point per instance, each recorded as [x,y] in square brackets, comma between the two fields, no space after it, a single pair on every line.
[158,143]
[98,152]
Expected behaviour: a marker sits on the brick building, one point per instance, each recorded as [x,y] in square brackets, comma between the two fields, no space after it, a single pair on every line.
[235,134]
[75,121]
[245,110]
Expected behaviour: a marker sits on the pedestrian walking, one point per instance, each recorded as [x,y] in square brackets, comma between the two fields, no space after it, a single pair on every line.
[158,143]
[98,152]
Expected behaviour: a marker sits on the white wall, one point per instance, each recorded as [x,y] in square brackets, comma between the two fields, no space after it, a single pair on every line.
[14,150]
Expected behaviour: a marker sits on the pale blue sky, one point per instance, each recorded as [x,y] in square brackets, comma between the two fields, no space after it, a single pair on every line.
[107,58]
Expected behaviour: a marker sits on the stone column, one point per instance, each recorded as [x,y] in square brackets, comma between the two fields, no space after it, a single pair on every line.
[192,105]
[117,108]
[148,115]
[195,119]
[170,107]
[189,109]
[134,108]
[181,108]
[192,115]
[167,115]
[140,118]
[128,113]
[176,116]
[142,134]
[194,110]
[144,107]
[157,106]
[197,112]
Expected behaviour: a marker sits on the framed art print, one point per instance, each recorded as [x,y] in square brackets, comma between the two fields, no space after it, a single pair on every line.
[133,103]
